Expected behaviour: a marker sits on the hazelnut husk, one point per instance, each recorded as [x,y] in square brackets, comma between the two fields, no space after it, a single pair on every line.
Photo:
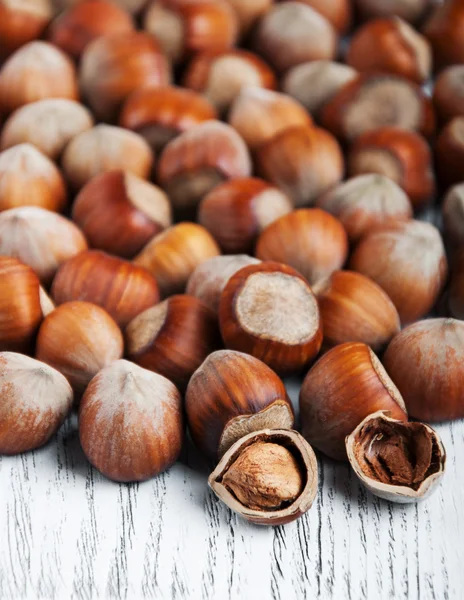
[268,477]
[396,460]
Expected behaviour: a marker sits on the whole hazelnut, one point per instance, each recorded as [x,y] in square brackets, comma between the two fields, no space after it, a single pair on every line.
[220,76]
[337,12]
[173,338]
[449,153]
[23,305]
[269,311]
[105,148]
[448,93]
[400,462]
[409,10]
[36,71]
[160,114]
[123,289]
[48,124]
[456,289]
[408,261]
[371,101]
[173,255]
[365,202]
[259,115]
[403,156]
[78,339]
[310,240]
[76,27]
[304,162]
[39,238]
[131,6]
[453,218]
[29,178]
[444,30]
[230,395]
[426,363]
[268,477]
[113,67]
[390,45]
[314,83]
[345,386]
[195,162]
[209,279]
[35,401]
[236,211]
[355,309]
[119,212]
[22,21]
[249,12]
[185,27]
[130,422]
[291,33]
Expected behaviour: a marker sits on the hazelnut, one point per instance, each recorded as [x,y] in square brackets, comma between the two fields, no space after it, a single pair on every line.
[36,71]
[28,178]
[448,93]
[345,386]
[403,156]
[39,238]
[160,114]
[365,202]
[48,124]
[195,162]
[130,422]
[372,101]
[303,162]
[173,338]
[259,115]
[236,211]
[309,240]
[231,395]
[105,148]
[249,12]
[209,279]
[132,6]
[185,27]
[292,33]
[123,289]
[113,67]
[456,290]
[78,339]
[22,305]
[397,461]
[408,261]
[355,309]
[337,12]
[22,21]
[76,27]
[444,30]
[35,402]
[409,10]
[314,83]
[268,477]
[453,217]
[174,254]
[390,45]
[426,363]
[269,311]
[449,153]
[119,212]
[220,76]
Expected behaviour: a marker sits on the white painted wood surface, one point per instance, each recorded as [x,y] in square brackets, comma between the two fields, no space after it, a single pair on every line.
[66,532]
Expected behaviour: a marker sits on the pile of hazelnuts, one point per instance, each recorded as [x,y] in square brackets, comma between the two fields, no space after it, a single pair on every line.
[196,200]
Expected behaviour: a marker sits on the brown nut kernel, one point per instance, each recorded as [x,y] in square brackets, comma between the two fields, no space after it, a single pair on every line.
[268,477]
[398,461]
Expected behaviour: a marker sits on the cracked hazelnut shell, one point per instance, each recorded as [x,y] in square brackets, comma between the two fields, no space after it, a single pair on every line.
[268,477]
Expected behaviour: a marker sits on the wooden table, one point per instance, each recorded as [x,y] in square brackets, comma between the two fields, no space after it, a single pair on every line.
[66,532]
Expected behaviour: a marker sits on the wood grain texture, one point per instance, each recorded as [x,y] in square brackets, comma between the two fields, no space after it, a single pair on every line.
[66,532]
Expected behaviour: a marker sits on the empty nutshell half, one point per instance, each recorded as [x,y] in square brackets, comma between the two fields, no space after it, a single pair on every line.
[396,460]
[268,477]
